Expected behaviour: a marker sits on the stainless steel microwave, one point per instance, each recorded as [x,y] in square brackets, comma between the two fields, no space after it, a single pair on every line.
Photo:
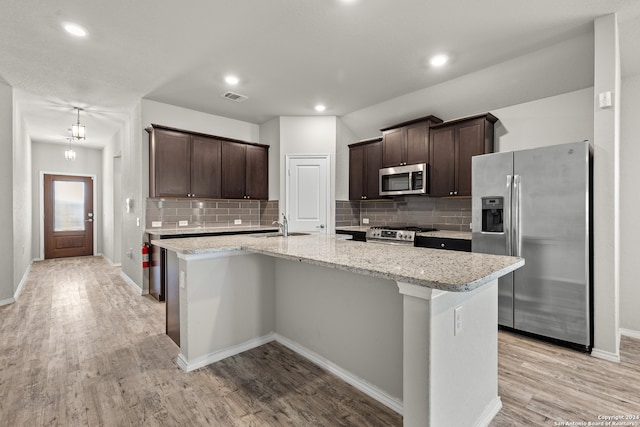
[408,179]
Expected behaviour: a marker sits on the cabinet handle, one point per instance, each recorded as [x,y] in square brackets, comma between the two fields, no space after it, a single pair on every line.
[442,245]
[451,193]
[455,193]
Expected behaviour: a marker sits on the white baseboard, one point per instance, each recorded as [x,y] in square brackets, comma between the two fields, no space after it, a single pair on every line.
[18,291]
[207,359]
[630,333]
[131,283]
[362,385]
[7,301]
[605,355]
[489,413]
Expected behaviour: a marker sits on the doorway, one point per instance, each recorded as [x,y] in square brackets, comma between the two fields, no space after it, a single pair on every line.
[68,216]
[307,188]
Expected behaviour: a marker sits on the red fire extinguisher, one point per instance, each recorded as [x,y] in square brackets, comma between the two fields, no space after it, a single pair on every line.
[145,255]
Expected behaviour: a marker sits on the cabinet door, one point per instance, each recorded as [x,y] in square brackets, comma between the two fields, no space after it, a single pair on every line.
[393,147]
[257,177]
[356,172]
[469,143]
[233,170]
[171,158]
[373,163]
[418,144]
[442,161]
[205,167]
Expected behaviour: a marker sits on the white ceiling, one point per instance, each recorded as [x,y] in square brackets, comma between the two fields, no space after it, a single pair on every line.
[289,54]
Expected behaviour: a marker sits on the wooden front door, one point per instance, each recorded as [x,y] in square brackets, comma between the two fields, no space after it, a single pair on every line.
[68,216]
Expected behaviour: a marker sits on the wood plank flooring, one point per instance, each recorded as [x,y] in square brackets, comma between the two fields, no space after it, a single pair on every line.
[542,384]
[81,348]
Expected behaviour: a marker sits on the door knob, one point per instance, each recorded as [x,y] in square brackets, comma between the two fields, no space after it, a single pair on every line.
[88,220]
[320,226]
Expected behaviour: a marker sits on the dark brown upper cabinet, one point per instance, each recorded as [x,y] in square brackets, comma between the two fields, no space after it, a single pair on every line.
[452,145]
[245,171]
[189,164]
[407,143]
[365,160]
[183,165]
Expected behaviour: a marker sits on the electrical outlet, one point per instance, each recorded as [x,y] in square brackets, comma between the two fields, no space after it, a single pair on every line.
[183,223]
[156,223]
[137,222]
[365,220]
[237,221]
[457,319]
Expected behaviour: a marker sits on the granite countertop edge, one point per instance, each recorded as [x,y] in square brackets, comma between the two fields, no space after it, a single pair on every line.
[326,254]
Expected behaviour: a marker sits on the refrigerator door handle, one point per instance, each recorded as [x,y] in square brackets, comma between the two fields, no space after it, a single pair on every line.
[517,229]
[507,215]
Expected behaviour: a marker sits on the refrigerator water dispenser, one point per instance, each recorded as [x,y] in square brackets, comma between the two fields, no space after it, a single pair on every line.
[492,214]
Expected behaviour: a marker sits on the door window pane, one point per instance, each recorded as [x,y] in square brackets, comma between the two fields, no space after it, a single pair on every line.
[68,206]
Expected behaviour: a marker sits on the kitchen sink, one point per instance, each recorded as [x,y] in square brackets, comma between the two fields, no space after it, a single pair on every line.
[280,234]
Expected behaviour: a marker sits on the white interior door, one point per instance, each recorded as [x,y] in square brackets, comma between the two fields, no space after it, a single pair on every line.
[308,193]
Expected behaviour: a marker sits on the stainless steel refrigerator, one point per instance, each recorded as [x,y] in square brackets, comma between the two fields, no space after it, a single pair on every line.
[536,204]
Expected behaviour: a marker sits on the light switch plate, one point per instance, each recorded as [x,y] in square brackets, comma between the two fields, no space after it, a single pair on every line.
[183,223]
[237,221]
[604,99]
[156,223]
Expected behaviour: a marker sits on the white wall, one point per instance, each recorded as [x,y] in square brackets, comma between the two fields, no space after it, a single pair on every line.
[111,214]
[135,185]
[344,138]
[47,157]
[308,135]
[554,120]
[270,135]
[606,212]
[7,282]
[158,113]
[22,206]
[352,320]
[630,204]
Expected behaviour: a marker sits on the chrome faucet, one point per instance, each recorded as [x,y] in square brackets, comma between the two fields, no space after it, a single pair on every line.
[284,225]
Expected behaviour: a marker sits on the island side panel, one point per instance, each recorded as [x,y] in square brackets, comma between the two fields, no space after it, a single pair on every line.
[450,377]
[226,306]
[351,320]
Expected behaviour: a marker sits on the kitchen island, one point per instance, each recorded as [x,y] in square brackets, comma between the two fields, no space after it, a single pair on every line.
[415,328]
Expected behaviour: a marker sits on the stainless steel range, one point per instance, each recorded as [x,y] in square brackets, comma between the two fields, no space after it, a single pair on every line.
[391,235]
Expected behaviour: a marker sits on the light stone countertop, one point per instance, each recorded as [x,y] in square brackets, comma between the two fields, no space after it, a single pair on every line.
[432,268]
[202,230]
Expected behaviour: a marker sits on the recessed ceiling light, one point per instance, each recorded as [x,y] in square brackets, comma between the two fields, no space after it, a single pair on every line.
[320,108]
[439,60]
[75,29]
[232,80]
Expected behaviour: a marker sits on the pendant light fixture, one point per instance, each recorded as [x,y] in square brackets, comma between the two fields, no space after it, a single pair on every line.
[77,130]
[69,154]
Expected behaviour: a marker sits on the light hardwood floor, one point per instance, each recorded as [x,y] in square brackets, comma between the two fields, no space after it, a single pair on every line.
[81,348]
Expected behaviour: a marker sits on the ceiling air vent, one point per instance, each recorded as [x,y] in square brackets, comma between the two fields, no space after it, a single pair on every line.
[234,96]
